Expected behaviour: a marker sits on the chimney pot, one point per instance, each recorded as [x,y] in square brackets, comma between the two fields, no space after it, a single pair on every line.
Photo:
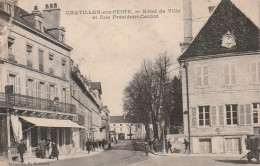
[46,6]
[51,6]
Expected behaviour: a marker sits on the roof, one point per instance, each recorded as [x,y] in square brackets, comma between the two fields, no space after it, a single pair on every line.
[121,119]
[96,86]
[226,18]
[27,19]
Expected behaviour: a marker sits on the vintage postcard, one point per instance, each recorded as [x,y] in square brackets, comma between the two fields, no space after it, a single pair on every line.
[129,82]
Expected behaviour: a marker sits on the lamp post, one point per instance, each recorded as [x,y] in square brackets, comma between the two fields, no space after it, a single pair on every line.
[162,124]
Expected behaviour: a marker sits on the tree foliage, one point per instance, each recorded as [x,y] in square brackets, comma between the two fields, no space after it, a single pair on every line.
[151,90]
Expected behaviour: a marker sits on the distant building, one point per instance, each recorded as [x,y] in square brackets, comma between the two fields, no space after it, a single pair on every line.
[105,123]
[121,128]
[221,82]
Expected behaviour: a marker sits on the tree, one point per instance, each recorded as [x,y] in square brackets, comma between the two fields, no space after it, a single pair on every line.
[151,90]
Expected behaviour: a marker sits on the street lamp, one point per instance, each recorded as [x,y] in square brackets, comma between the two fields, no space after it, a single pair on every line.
[162,124]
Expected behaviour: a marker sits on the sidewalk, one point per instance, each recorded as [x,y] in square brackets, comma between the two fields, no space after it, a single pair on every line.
[191,154]
[38,161]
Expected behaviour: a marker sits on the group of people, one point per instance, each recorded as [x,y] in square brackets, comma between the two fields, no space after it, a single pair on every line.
[49,147]
[155,145]
[92,145]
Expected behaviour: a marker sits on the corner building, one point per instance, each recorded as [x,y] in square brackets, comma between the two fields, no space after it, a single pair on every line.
[221,68]
[34,80]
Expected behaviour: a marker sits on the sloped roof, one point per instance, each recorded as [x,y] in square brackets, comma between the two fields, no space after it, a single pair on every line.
[226,17]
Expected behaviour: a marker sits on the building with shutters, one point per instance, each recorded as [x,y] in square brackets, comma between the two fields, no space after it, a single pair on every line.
[35,99]
[221,82]
[121,128]
[87,98]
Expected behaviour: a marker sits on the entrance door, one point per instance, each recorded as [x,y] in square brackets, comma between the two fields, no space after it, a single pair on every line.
[232,145]
[121,136]
[205,146]
[54,134]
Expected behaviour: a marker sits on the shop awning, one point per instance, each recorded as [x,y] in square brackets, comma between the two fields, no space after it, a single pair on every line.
[43,122]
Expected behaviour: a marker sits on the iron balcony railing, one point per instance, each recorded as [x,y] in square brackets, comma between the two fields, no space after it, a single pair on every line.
[23,101]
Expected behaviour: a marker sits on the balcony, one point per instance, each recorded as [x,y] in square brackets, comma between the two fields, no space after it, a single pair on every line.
[23,102]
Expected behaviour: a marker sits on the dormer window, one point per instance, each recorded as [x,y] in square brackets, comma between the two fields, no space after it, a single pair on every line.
[8,8]
[39,24]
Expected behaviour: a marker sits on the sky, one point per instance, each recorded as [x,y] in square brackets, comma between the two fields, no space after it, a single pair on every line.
[110,51]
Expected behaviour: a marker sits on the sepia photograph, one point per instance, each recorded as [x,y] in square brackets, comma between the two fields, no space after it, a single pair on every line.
[129,82]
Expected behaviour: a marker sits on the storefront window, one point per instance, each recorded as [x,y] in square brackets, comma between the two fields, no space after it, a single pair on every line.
[60,136]
[34,136]
[67,136]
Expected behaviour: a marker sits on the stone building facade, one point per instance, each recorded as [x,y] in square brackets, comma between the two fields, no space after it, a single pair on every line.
[220,79]
[34,79]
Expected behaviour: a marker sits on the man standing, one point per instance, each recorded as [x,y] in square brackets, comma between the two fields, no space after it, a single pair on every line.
[43,149]
[186,143]
[21,149]
[88,145]
[169,146]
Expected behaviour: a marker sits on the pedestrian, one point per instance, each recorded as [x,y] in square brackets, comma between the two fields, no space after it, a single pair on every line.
[155,145]
[103,143]
[186,143]
[115,140]
[99,144]
[146,145]
[93,145]
[48,147]
[55,151]
[42,148]
[88,145]
[21,149]
[169,146]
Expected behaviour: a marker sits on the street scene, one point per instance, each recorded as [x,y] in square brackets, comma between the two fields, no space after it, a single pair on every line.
[118,83]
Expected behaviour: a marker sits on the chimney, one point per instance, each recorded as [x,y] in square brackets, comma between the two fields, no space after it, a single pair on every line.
[187,19]
[51,20]
[51,15]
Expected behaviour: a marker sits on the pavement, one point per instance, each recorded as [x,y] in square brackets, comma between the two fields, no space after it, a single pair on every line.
[32,160]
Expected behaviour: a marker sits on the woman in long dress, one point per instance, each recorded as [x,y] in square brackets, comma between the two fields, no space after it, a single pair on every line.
[55,151]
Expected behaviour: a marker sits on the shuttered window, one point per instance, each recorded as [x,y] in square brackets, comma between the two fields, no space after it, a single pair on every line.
[248,114]
[255,72]
[230,74]
[193,117]
[221,115]
[204,118]
[242,115]
[202,76]
[213,114]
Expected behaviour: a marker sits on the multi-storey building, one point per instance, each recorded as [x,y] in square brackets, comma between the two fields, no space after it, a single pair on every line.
[34,79]
[105,121]
[88,103]
[121,128]
[220,76]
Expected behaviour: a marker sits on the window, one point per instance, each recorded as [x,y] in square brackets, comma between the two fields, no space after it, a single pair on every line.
[29,87]
[28,52]
[62,38]
[67,136]
[255,72]
[204,116]
[14,80]
[39,25]
[9,8]
[114,124]
[231,114]
[256,109]
[230,74]
[202,76]
[10,46]
[120,124]
[52,92]
[42,90]
[40,53]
